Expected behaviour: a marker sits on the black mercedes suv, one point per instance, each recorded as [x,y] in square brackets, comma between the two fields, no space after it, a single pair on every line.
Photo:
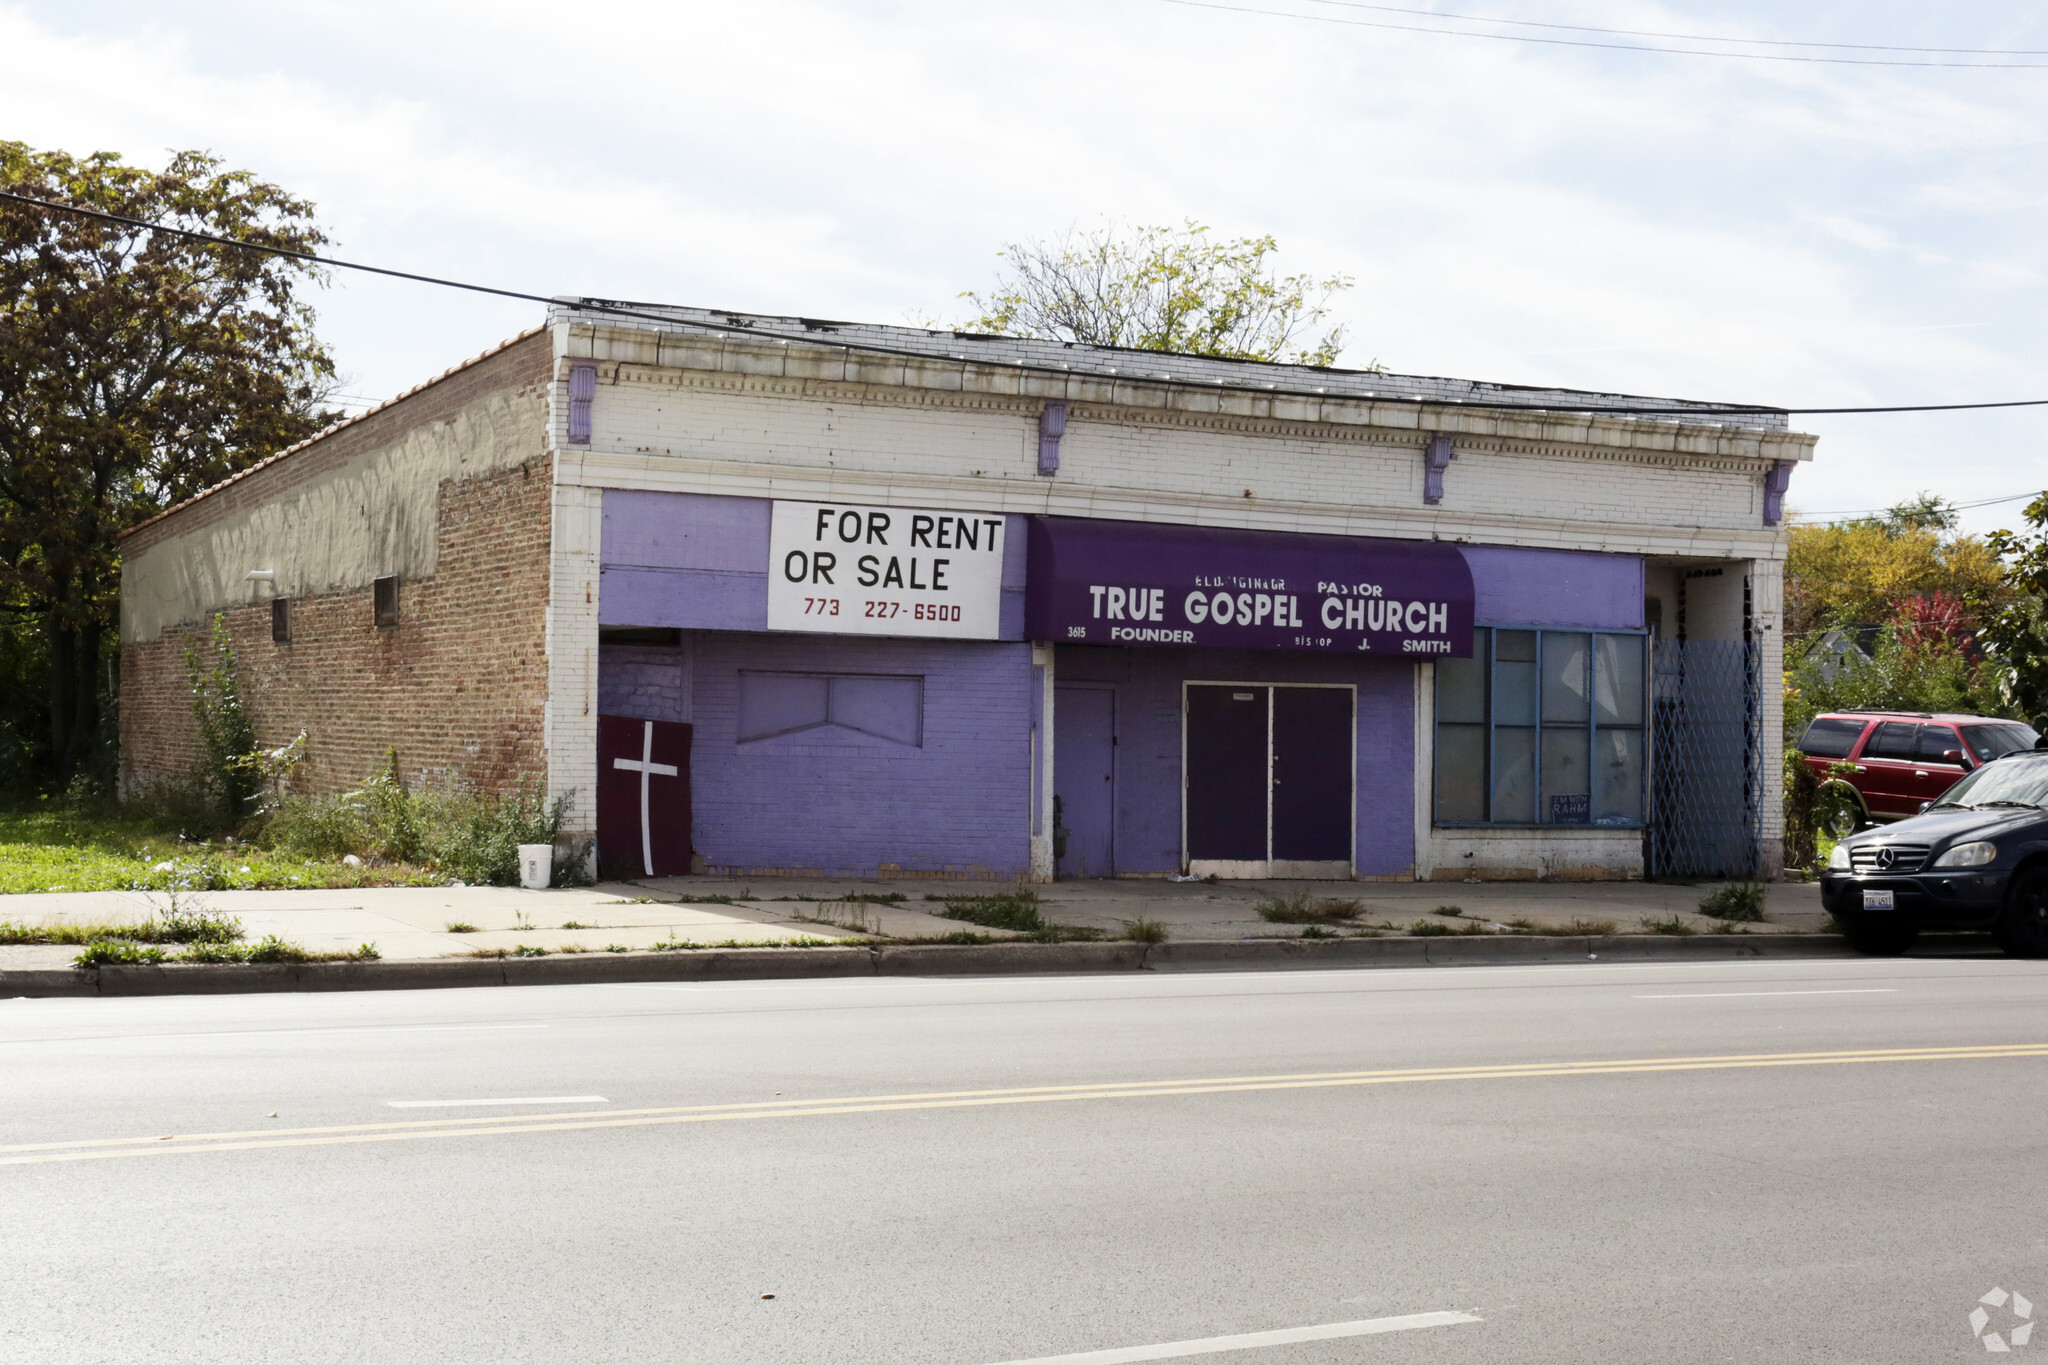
[1975,859]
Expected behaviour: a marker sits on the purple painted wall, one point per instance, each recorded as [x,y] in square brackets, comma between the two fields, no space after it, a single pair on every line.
[1522,587]
[1148,752]
[701,562]
[836,802]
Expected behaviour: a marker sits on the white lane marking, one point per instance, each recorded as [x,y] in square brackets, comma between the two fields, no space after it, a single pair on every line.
[1286,1336]
[1724,995]
[275,1033]
[724,987]
[525,1099]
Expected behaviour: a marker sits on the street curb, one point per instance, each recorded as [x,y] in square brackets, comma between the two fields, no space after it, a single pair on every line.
[990,959]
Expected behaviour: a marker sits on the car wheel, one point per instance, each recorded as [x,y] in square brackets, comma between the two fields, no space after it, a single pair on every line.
[2022,929]
[1884,937]
[1851,814]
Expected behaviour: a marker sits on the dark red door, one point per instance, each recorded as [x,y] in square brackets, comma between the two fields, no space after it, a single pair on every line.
[643,797]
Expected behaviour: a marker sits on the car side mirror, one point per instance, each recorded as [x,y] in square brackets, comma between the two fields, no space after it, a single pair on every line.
[1952,755]
[1923,808]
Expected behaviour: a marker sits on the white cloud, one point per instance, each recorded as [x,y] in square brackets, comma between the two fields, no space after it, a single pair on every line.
[1758,232]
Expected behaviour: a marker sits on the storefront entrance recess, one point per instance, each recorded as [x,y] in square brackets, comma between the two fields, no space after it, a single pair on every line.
[1268,780]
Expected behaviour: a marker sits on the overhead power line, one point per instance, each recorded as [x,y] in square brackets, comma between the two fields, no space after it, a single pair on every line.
[1062,371]
[1611,47]
[1686,37]
[1953,507]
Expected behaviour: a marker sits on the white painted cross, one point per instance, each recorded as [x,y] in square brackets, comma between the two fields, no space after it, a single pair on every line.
[647,768]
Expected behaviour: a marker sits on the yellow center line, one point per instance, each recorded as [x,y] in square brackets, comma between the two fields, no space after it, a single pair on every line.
[110,1148]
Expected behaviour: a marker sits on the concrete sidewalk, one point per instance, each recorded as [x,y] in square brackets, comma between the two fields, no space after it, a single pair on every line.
[412,923]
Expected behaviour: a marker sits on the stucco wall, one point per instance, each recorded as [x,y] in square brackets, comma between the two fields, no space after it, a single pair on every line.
[348,507]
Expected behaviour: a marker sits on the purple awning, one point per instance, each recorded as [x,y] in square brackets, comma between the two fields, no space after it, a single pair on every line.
[1133,583]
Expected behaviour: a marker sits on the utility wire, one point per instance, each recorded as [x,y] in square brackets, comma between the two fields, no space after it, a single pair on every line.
[1060,371]
[1686,37]
[1612,47]
[1953,507]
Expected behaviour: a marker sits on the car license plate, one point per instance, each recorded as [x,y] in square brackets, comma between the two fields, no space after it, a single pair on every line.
[1880,900]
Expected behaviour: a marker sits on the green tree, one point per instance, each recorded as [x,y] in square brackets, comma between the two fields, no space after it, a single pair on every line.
[1917,663]
[1861,572]
[1161,289]
[2015,633]
[136,368]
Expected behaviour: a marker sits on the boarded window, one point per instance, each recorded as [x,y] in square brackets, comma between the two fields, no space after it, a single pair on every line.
[280,620]
[384,593]
[887,706]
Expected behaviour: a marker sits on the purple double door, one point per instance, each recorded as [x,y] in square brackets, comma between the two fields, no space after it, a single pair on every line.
[1269,780]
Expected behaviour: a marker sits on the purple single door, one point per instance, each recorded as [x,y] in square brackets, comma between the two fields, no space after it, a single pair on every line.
[1312,774]
[1084,780]
[1226,776]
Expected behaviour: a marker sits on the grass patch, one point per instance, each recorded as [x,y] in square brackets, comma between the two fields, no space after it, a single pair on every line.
[576,924]
[1673,926]
[1144,930]
[1302,908]
[1728,927]
[54,847]
[1737,902]
[1586,928]
[617,948]
[1454,911]
[1436,928]
[108,952]
[459,926]
[529,950]
[1318,931]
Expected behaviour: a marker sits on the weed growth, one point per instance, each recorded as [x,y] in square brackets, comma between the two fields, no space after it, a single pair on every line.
[1673,926]
[1016,911]
[1302,908]
[1737,902]
[1144,930]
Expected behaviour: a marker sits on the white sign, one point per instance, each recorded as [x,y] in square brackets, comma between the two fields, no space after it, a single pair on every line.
[852,570]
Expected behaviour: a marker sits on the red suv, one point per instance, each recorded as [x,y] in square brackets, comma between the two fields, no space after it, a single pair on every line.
[1904,759]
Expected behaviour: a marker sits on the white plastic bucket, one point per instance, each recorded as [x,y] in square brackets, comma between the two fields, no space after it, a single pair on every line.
[536,866]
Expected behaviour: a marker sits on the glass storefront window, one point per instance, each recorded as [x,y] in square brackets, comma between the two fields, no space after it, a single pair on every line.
[1542,727]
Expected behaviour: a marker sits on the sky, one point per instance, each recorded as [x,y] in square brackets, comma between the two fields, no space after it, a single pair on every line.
[1783,232]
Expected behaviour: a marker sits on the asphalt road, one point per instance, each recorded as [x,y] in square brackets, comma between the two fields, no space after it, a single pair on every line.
[1597,1163]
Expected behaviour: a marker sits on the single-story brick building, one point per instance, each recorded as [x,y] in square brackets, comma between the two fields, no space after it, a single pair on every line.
[772,594]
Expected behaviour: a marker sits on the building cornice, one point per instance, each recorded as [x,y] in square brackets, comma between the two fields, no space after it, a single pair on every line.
[586,467]
[823,372]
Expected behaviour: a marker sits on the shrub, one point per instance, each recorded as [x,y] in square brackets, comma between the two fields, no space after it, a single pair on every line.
[472,835]
[1737,902]
[1144,930]
[224,725]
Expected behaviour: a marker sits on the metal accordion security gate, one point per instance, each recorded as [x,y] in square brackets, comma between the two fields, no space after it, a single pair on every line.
[1706,776]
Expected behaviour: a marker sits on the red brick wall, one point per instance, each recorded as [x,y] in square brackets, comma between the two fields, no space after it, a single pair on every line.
[458,686]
